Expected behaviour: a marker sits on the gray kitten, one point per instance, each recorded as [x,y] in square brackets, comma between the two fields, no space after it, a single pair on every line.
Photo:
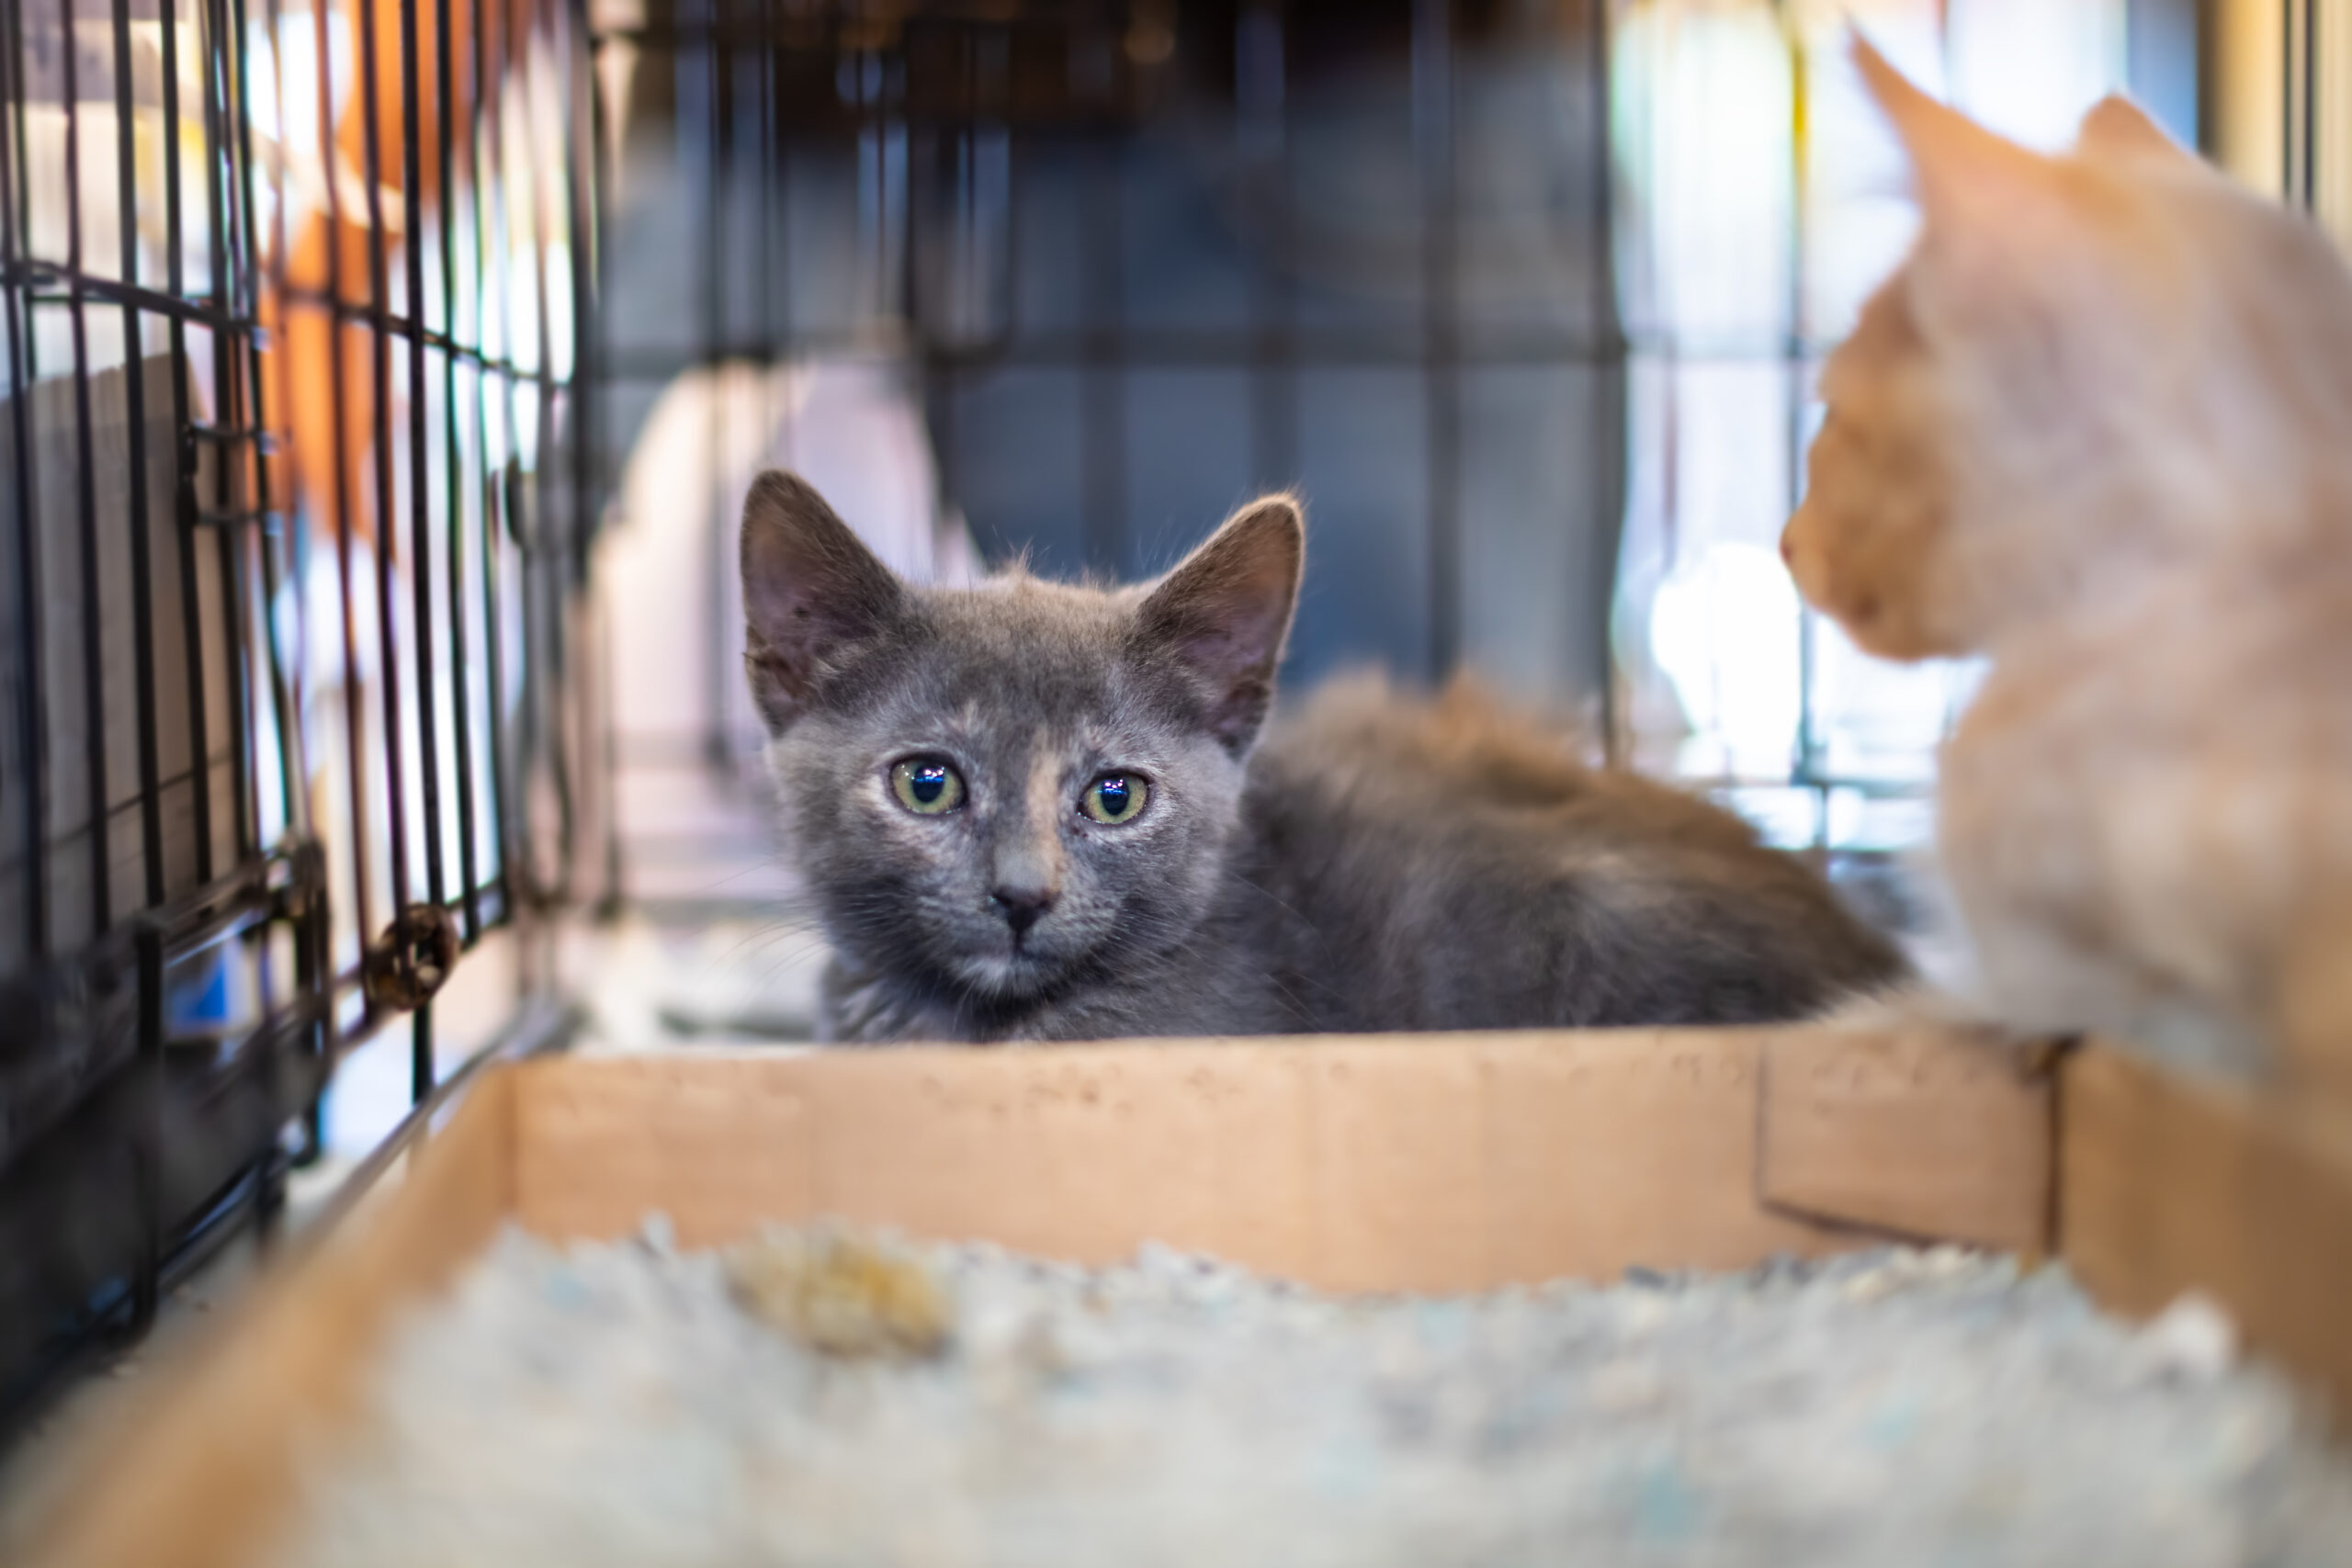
[1031,811]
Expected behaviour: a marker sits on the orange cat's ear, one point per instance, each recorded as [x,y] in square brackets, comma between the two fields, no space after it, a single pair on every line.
[2117,128]
[1965,172]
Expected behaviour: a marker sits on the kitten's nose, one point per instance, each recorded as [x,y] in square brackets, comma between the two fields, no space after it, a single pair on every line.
[1022,907]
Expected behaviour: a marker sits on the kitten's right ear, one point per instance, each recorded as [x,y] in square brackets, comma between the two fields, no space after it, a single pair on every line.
[1225,613]
[810,589]
[2117,128]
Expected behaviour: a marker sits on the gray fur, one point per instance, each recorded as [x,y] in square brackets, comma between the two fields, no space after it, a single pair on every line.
[1380,863]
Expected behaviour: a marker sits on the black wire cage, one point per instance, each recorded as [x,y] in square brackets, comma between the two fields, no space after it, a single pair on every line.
[289,542]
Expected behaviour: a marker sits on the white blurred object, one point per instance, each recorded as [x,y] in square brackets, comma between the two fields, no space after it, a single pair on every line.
[2192,1339]
[736,982]
[2029,69]
[851,427]
[1724,628]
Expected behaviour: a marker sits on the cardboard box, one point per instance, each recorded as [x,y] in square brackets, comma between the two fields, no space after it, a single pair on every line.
[1428,1163]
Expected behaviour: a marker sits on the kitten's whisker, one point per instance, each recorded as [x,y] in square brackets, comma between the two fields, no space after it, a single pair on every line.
[1269,897]
[1189,947]
[764,935]
[786,949]
[736,875]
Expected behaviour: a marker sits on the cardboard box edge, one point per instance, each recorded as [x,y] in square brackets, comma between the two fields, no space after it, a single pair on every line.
[200,1469]
[2168,1185]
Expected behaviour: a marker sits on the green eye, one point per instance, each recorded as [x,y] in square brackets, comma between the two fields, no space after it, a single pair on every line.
[1115,798]
[926,786]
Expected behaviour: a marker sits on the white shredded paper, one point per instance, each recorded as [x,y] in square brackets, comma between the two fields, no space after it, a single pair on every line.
[613,1403]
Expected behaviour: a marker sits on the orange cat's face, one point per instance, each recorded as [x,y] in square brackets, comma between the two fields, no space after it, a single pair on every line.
[1867,537]
[2086,360]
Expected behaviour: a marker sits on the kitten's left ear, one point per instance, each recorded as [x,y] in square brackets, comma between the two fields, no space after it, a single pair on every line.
[811,588]
[1995,216]
[1972,181]
[1226,612]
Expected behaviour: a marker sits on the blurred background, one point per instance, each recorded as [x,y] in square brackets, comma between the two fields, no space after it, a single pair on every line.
[379,380]
[1526,298]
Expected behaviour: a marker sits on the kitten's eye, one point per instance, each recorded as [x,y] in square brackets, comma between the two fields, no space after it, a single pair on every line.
[926,786]
[1115,798]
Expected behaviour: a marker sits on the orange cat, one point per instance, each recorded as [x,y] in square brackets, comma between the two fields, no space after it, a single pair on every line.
[2098,426]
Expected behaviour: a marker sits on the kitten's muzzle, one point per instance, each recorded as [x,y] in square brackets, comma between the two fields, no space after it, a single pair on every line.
[1022,907]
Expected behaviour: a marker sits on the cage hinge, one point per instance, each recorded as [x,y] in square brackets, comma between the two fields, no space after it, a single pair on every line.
[413,959]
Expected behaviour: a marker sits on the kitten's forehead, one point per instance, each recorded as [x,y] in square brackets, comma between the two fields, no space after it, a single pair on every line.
[1029,657]
[1017,607]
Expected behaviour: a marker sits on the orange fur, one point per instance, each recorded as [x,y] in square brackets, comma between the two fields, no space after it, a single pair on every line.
[333,256]
[2098,426]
